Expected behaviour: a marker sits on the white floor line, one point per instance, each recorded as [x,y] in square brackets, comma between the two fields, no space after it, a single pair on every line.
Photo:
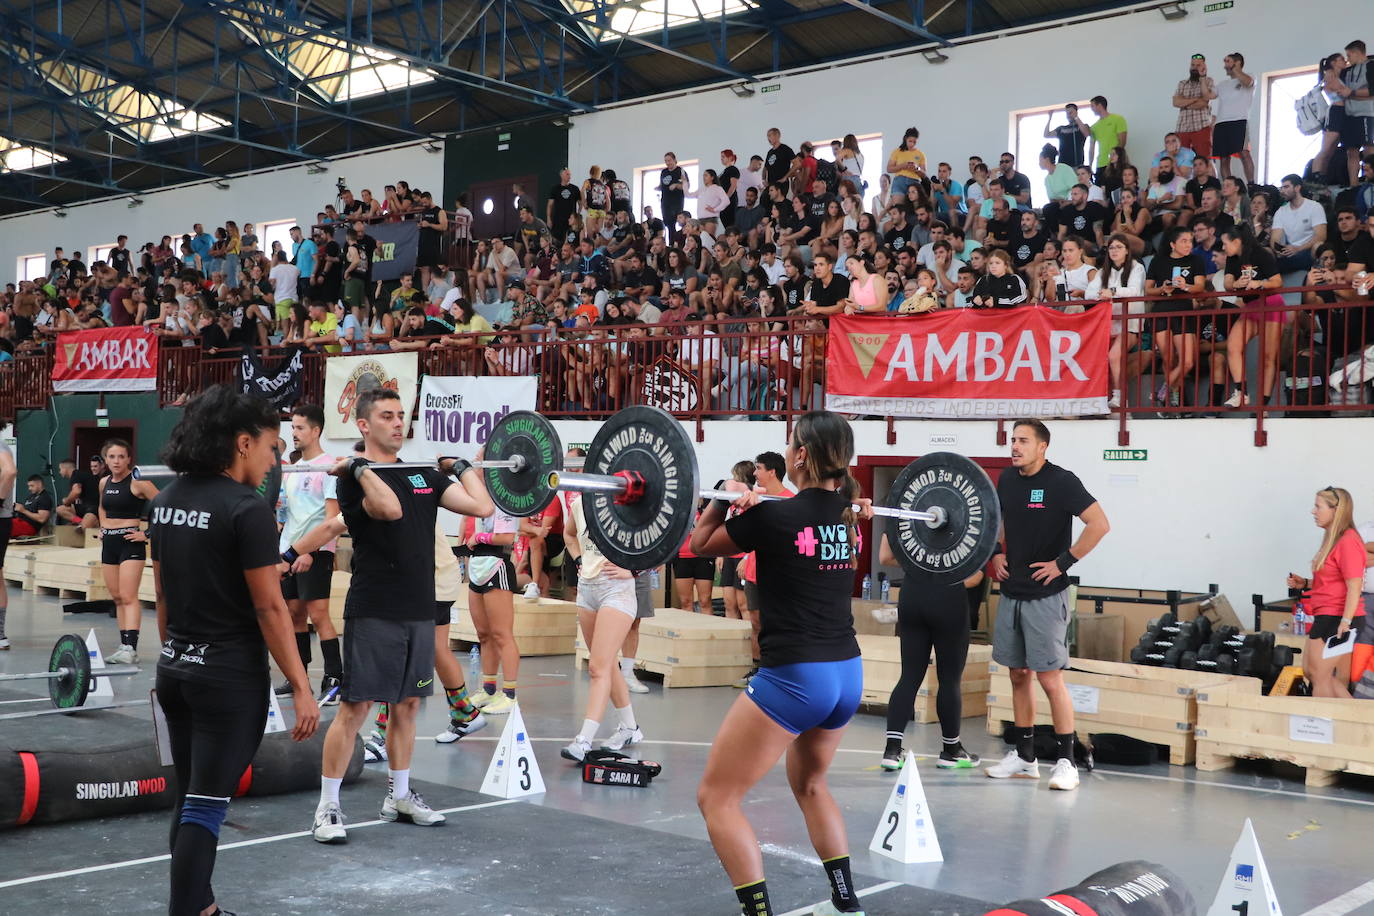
[1345,903]
[875,889]
[1335,799]
[129,863]
[841,750]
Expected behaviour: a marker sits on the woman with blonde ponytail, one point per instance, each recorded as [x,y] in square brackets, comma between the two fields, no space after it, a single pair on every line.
[810,675]
[1332,591]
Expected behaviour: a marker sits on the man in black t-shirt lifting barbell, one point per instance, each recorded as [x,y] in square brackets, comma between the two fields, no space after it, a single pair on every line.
[1039,502]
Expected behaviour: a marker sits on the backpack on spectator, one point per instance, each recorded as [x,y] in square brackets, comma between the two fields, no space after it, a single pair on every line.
[1271,193]
[825,171]
[1312,109]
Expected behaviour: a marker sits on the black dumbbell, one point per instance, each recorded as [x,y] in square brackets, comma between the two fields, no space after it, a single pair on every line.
[1263,643]
[1224,633]
[1191,632]
[1209,658]
[1285,657]
[1169,658]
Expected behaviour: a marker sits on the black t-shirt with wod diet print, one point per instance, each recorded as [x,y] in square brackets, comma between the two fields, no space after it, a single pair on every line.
[805,577]
[393,561]
[1037,518]
[205,531]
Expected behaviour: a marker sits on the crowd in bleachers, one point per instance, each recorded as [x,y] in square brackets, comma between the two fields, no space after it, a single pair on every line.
[787,238]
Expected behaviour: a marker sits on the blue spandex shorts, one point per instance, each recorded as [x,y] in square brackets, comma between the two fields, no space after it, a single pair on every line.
[809,695]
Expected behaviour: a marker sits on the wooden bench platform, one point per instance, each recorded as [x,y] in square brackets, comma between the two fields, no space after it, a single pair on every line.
[69,572]
[19,561]
[543,626]
[689,650]
[1157,705]
[1326,737]
[882,662]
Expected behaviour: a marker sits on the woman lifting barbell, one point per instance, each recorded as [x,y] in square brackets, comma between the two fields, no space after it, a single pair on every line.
[1333,591]
[810,677]
[219,611]
[123,545]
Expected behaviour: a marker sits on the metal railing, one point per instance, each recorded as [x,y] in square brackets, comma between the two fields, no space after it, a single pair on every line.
[757,369]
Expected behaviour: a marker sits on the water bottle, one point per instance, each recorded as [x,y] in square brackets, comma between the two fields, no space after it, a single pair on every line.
[653,579]
[884,587]
[868,588]
[1299,618]
[474,663]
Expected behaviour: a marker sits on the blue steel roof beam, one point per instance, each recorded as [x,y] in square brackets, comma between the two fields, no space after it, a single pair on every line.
[899,22]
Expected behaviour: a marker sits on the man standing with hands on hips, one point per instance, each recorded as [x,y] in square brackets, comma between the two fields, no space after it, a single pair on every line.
[1039,502]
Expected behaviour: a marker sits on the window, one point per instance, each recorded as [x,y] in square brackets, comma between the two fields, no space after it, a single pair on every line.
[646,188]
[1028,137]
[32,266]
[276,231]
[871,148]
[16,157]
[649,15]
[101,253]
[1285,149]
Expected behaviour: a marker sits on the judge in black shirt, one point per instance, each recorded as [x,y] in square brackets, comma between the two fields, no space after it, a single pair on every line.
[1039,502]
[219,613]
[389,638]
[810,675]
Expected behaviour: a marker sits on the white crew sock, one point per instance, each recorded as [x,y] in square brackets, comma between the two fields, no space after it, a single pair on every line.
[627,667]
[329,790]
[627,716]
[589,727]
[399,782]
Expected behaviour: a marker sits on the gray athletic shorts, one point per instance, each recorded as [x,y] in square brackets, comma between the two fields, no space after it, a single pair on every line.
[604,592]
[387,660]
[644,596]
[1032,632]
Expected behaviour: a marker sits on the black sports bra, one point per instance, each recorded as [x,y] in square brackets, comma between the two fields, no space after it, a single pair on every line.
[118,500]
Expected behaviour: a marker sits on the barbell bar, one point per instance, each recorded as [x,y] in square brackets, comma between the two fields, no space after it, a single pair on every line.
[119,704]
[69,674]
[515,463]
[625,487]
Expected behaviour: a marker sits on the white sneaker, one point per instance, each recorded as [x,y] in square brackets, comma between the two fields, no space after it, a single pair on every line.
[532,591]
[634,684]
[410,808]
[374,748]
[481,698]
[4,643]
[622,738]
[1236,399]
[826,908]
[124,655]
[577,750]
[1115,400]
[498,705]
[884,615]
[329,824]
[1064,776]
[1013,767]
[458,729]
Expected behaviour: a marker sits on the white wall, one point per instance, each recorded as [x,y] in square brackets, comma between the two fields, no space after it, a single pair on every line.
[964,105]
[286,193]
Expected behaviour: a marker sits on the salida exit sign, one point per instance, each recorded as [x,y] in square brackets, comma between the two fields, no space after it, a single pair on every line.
[1125,454]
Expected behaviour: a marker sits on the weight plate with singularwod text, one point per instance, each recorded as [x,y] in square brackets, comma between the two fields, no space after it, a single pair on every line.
[527,435]
[967,538]
[650,443]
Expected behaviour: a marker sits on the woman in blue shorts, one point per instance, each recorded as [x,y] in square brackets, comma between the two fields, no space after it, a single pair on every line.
[810,675]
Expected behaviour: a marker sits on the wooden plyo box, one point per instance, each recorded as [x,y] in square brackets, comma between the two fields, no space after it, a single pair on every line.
[543,626]
[882,662]
[70,573]
[1158,705]
[1326,736]
[691,650]
[19,562]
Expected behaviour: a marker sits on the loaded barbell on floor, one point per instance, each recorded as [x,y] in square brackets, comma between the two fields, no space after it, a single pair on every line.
[69,676]
[640,482]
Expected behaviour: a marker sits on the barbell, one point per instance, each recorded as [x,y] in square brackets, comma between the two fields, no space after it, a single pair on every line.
[69,676]
[640,482]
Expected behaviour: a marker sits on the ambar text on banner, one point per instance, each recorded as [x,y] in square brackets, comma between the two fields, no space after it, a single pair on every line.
[970,364]
[105,359]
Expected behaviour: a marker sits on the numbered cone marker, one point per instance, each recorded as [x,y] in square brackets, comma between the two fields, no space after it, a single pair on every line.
[1245,887]
[906,832]
[102,694]
[275,722]
[513,771]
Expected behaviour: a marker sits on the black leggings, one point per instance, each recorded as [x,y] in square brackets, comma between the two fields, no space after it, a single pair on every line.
[931,616]
[215,732]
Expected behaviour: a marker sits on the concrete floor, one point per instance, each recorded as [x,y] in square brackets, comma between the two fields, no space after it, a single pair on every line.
[595,849]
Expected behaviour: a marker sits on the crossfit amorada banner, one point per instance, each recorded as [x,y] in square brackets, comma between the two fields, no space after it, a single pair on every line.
[105,359]
[970,364]
[346,377]
[278,385]
[456,413]
[398,245]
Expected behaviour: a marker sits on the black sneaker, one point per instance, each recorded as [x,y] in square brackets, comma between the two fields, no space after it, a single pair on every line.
[957,758]
[893,756]
[329,692]
[284,690]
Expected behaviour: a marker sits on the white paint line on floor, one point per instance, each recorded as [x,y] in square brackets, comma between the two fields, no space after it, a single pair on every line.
[129,863]
[1334,799]
[841,750]
[1348,902]
[868,891]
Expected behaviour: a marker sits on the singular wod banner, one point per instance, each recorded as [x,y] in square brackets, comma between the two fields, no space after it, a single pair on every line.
[397,247]
[970,364]
[347,377]
[105,359]
[457,413]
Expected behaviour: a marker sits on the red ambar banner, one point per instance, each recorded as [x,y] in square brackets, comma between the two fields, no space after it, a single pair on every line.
[105,359]
[970,364]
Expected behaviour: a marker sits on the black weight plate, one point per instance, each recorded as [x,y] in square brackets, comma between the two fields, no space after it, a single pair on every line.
[646,533]
[69,690]
[528,435]
[968,538]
